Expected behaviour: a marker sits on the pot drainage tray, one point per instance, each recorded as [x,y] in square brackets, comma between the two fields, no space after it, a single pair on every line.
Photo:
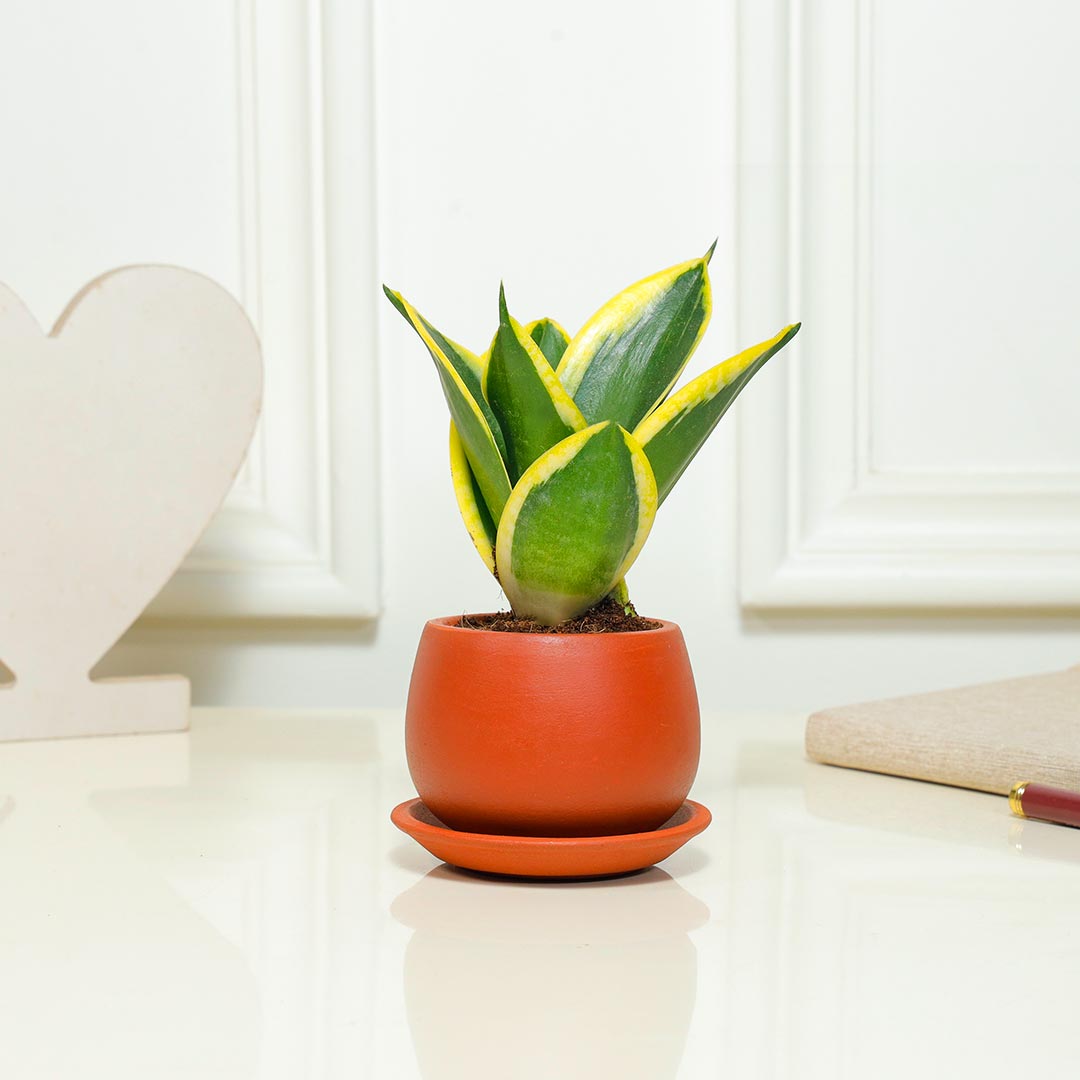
[550,856]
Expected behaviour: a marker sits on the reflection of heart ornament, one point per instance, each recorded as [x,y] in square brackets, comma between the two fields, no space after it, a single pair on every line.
[120,434]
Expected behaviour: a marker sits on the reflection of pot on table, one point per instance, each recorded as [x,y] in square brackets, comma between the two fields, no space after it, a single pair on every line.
[525,980]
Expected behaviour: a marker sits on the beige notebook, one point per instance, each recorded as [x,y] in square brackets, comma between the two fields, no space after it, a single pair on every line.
[985,737]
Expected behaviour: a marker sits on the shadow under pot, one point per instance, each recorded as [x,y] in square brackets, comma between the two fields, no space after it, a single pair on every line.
[552,734]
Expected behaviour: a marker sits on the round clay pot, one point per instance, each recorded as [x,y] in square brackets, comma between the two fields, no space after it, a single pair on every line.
[552,734]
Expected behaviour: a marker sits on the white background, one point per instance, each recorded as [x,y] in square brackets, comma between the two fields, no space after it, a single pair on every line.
[569,148]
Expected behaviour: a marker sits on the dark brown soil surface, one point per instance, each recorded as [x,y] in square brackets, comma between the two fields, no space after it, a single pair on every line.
[608,617]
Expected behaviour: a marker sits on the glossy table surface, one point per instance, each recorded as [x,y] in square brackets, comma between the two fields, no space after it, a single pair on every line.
[234,903]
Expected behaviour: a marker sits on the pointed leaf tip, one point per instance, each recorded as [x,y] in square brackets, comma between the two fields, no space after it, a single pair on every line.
[677,430]
[532,407]
[504,312]
[460,375]
[396,299]
[626,358]
[712,248]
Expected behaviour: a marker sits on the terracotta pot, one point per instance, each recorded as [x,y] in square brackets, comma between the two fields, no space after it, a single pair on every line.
[552,734]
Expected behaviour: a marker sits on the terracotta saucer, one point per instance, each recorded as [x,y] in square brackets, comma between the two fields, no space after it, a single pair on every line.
[550,856]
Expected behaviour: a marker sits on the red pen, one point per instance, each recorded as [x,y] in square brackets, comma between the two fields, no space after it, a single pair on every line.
[1045,803]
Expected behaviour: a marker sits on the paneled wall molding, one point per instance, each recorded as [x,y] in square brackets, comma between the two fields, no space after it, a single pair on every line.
[297,537]
[821,526]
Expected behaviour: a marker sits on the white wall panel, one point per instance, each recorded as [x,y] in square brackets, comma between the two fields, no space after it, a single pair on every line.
[233,138]
[974,238]
[565,147]
[918,447]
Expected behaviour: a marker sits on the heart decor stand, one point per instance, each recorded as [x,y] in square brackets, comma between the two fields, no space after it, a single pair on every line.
[120,432]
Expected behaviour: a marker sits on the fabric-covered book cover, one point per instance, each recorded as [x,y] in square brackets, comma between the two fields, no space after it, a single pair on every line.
[986,737]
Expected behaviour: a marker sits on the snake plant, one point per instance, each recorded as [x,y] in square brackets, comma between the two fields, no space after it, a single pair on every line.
[562,448]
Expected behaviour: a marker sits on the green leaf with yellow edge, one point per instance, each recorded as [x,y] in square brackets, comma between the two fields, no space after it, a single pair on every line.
[626,358]
[550,338]
[621,594]
[466,363]
[476,424]
[676,431]
[533,409]
[470,500]
[574,523]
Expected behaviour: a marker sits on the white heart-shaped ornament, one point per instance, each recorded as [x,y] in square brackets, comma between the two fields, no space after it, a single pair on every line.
[120,434]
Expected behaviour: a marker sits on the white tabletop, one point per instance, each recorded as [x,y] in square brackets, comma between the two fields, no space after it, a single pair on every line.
[234,903]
